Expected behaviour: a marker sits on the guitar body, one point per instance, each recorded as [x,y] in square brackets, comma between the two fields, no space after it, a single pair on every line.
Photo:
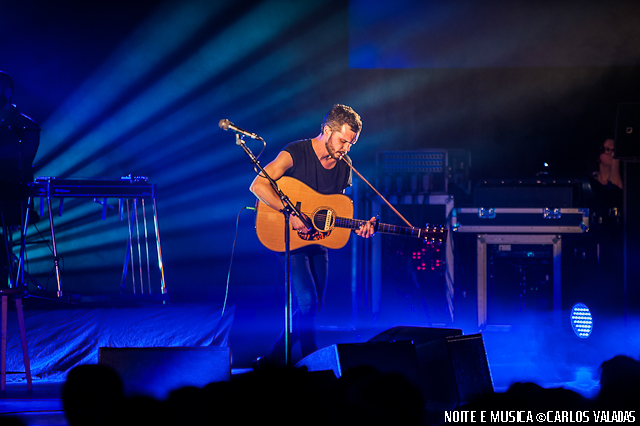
[270,222]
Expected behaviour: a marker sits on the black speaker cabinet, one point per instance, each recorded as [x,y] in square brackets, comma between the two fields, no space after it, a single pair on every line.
[386,357]
[468,360]
[417,335]
[452,368]
[157,371]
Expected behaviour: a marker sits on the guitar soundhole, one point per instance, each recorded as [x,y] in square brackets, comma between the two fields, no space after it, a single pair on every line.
[323,219]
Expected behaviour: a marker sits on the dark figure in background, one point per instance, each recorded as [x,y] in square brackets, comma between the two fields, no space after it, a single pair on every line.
[605,226]
[19,141]
[606,180]
[315,162]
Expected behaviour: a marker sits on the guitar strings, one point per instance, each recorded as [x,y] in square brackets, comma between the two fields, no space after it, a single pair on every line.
[356,223]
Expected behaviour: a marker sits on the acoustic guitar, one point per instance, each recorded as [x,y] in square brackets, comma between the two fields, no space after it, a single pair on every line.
[332,220]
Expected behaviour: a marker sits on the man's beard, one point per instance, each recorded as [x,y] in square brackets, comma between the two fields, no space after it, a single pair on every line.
[332,152]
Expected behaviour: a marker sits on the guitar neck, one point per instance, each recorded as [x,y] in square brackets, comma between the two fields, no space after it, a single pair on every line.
[384,228]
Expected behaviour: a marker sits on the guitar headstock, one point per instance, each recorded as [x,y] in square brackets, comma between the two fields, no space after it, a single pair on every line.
[434,234]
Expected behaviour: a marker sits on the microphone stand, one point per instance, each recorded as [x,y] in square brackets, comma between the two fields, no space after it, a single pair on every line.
[287,211]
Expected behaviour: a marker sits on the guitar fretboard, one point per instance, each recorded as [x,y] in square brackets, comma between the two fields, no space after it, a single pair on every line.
[384,228]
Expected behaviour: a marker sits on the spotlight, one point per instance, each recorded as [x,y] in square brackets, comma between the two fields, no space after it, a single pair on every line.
[581,320]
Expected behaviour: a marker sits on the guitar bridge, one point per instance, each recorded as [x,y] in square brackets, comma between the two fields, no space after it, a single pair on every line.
[328,221]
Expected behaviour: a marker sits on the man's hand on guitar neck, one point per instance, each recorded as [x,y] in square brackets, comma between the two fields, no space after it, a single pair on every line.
[367,229]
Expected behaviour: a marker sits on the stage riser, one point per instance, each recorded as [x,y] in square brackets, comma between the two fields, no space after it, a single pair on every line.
[60,339]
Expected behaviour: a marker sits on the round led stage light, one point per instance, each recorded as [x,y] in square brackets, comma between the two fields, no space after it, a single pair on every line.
[581,320]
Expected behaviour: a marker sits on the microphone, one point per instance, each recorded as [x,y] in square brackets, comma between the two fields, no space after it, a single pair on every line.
[226,125]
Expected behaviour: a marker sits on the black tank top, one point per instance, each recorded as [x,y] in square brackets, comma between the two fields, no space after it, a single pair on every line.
[308,169]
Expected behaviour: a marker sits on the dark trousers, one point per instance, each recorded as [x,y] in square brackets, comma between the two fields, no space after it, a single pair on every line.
[309,270]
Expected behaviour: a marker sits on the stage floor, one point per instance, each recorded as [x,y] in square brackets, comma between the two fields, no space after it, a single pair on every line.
[61,338]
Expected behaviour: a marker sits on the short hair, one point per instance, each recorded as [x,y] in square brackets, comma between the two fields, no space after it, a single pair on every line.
[6,81]
[340,115]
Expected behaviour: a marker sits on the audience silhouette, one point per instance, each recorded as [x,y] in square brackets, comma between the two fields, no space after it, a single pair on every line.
[94,395]
[619,384]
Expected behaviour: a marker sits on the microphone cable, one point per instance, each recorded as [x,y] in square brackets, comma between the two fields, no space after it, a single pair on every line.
[226,292]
